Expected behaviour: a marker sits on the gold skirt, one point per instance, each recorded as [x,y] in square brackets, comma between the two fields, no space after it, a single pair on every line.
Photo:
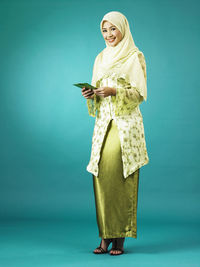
[116,198]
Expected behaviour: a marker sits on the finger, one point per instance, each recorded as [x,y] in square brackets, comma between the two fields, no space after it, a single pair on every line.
[97,90]
[88,92]
[88,97]
[100,93]
[85,89]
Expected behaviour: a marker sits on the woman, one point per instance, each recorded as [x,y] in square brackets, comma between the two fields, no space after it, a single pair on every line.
[118,142]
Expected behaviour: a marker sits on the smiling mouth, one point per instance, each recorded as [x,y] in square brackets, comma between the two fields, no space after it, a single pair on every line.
[111,40]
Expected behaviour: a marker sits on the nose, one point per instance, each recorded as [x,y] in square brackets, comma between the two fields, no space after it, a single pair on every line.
[110,34]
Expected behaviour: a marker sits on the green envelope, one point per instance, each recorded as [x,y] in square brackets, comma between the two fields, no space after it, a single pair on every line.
[86,85]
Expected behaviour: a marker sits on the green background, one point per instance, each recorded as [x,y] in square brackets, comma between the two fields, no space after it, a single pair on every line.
[45,129]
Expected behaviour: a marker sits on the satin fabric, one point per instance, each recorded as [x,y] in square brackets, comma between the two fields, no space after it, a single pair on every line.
[116,198]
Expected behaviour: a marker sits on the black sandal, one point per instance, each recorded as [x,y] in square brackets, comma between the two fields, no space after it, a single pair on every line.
[114,248]
[101,249]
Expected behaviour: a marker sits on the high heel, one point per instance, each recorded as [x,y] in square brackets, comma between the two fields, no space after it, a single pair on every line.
[116,247]
[102,251]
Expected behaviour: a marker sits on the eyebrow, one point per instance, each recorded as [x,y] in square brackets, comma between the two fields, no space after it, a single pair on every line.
[109,27]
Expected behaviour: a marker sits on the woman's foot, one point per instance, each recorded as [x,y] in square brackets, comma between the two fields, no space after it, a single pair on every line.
[103,248]
[117,247]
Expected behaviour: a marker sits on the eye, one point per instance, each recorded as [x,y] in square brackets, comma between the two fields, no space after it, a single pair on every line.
[113,29]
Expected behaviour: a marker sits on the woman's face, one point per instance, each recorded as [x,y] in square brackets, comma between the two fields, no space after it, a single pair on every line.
[111,34]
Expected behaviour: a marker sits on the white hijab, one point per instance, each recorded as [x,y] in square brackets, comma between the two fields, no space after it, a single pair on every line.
[118,59]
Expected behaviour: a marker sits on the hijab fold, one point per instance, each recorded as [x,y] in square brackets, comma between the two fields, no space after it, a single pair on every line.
[120,58]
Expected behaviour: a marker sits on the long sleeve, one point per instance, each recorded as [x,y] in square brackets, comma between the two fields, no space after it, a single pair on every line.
[92,102]
[127,98]
[129,94]
[93,105]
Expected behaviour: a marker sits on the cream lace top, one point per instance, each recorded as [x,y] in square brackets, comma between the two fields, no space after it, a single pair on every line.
[124,110]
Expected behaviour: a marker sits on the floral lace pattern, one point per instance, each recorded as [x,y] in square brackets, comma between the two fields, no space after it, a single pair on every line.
[123,108]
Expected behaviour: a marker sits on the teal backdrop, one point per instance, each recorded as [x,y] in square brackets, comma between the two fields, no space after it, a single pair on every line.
[45,129]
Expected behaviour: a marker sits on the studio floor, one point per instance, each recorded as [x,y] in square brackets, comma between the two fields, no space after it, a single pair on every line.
[56,243]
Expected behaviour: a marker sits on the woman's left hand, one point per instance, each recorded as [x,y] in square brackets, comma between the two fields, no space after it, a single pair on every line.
[105,91]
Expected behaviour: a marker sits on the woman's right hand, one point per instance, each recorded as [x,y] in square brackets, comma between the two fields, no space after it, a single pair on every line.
[87,93]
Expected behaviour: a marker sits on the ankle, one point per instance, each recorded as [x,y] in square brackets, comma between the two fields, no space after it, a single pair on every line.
[120,242]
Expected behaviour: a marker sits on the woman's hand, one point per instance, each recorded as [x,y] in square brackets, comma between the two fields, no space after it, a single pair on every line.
[87,93]
[105,91]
